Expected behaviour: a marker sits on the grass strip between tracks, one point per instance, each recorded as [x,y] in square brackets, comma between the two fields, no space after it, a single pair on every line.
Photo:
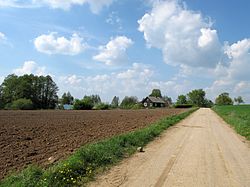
[91,159]
[238,116]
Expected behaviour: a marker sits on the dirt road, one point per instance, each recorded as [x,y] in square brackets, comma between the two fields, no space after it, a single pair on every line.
[200,151]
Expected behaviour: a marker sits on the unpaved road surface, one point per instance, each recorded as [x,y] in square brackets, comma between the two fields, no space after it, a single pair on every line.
[202,150]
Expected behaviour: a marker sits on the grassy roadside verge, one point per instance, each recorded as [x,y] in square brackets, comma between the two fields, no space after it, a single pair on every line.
[237,116]
[91,158]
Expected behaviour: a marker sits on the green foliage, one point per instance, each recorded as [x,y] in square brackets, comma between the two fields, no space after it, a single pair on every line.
[128,102]
[22,104]
[101,106]
[238,100]
[88,160]
[156,93]
[41,90]
[67,98]
[237,116]
[183,106]
[87,103]
[223,99]
[137,106]
[197,97]
[115,102]
[181,100]
[83,104]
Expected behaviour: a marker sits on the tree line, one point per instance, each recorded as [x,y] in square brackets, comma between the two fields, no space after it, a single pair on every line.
[28,92]
[40,92]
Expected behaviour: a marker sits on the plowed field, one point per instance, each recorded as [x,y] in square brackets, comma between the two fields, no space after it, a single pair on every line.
[34,136]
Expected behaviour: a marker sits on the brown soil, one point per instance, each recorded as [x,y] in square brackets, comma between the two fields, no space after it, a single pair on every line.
[34,136]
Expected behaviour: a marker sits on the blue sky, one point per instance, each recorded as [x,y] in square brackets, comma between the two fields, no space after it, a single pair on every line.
[129,47]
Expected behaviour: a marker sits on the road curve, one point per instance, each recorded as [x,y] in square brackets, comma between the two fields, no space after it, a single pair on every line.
[202,150]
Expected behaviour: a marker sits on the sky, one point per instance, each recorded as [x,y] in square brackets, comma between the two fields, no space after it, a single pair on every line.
[129,47]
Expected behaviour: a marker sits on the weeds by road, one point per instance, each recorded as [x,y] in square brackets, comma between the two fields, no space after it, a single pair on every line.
[237,116]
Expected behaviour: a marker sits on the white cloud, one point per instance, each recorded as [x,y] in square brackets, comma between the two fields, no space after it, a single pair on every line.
[53,44]
[2,37]
[133,81]
[184,36]
[95,5]
[234,77]
[114,52]
[30,67]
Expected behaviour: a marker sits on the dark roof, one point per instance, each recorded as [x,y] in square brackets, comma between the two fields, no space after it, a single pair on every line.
[155,100]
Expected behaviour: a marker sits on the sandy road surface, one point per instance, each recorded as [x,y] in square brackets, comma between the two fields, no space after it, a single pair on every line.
[200,151]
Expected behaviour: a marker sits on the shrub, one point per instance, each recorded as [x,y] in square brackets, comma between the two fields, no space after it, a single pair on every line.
[128,102]
[83,104]
[22,104]
[183,106]
[101,106]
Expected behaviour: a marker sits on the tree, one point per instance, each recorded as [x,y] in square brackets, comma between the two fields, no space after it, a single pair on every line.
[197,97]
[156,93]
[129,102]
[223,99]
[92,99]
[67,98]
[115,102]
[42,91]
[238,100]
[181,100]
[22,104]
[84,104]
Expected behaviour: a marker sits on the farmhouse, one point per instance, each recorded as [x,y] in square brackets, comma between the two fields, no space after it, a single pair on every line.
[154,102]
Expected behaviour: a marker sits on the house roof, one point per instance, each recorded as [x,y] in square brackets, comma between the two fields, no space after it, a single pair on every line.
[155,100]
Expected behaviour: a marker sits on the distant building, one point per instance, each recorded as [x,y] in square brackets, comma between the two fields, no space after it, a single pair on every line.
[154,102]
[68,107]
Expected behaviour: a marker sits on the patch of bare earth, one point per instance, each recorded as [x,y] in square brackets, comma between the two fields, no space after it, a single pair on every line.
[34,136]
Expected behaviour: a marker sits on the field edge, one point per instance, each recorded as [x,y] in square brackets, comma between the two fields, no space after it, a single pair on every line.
[91,159]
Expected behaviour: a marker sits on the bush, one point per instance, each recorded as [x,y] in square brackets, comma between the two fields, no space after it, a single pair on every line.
[183,106]
[22,104]
[101,106]
[128,102]
[83,104]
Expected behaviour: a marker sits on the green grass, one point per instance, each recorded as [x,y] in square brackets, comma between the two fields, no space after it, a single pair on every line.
[237,116]
[91,159]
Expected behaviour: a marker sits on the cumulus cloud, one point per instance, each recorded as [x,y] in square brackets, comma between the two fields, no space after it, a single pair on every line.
[95,5]
[114,52]
[30,67]
[54,44]
[184,36]
[233,77]
[133,81]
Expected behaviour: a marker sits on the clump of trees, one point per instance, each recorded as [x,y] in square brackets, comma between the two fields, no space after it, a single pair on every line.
[224,99]
[67,98]
[28,92]
[238,100]
[195,97]
[88,103]
[156,93]
[129,102]
[115,102]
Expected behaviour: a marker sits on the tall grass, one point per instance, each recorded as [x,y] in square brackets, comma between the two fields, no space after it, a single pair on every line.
[237,116]
[91,158]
